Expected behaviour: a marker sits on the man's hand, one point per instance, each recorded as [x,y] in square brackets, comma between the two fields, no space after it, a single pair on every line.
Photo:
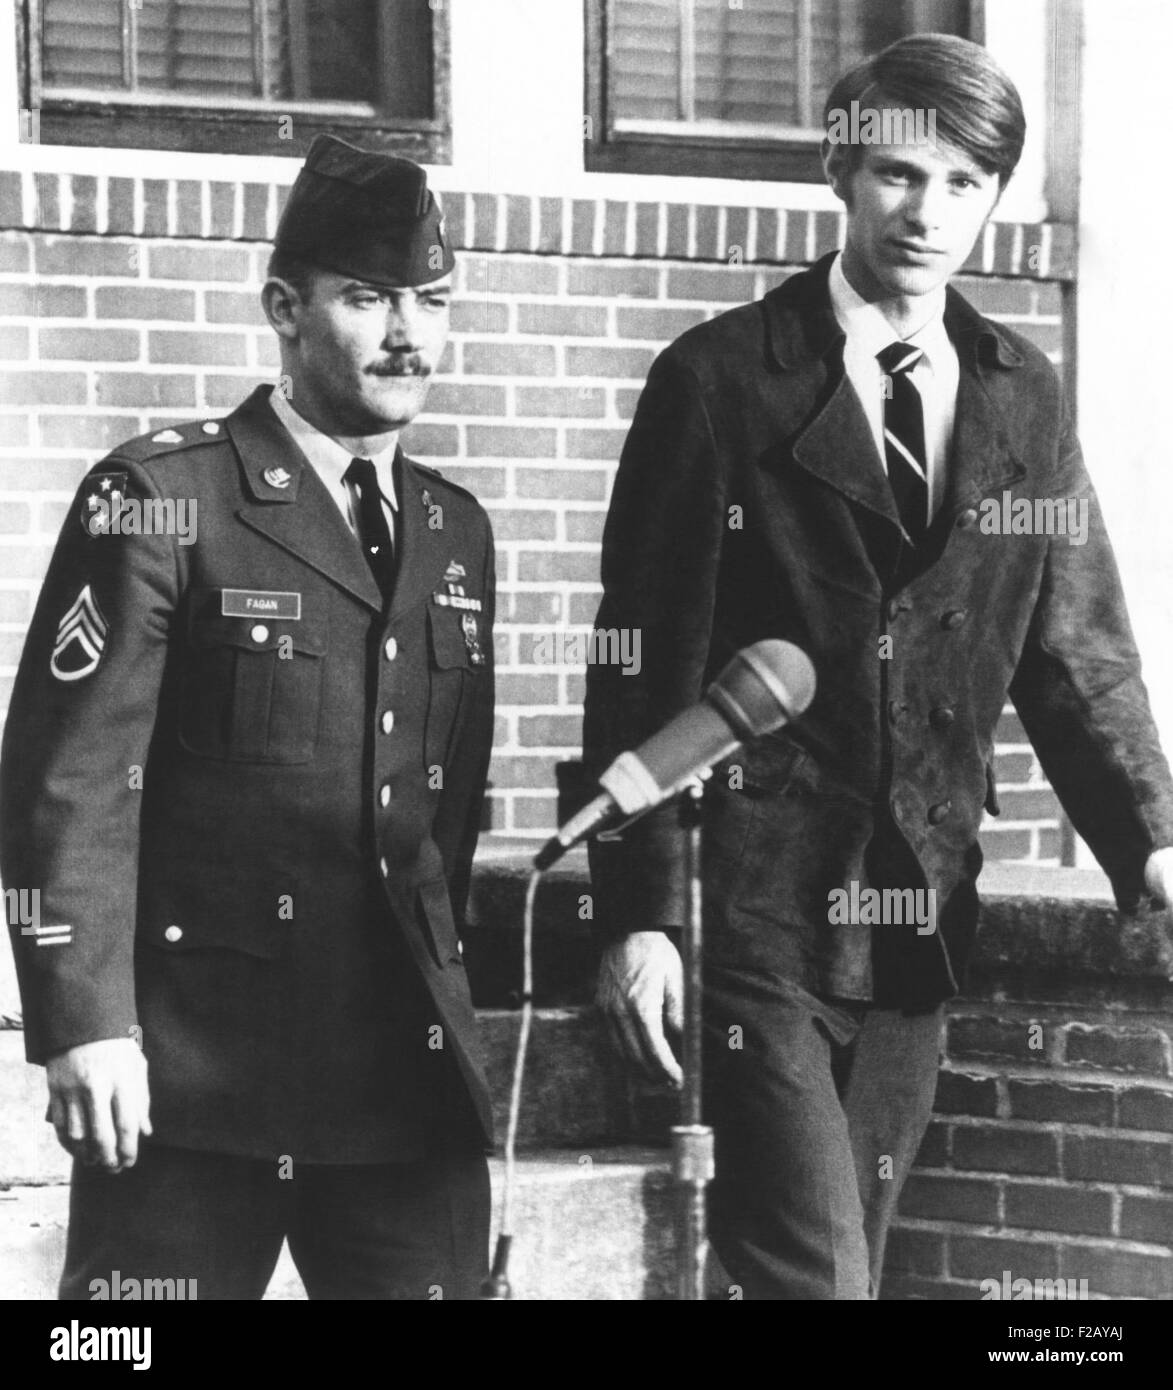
[641,984]
[99,1103]
[1158,876]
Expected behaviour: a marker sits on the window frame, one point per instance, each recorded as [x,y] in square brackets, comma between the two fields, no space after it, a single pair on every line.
[783,157]
[163,121]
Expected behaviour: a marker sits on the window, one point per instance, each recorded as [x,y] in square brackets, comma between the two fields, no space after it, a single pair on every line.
[248,76]
[733,88]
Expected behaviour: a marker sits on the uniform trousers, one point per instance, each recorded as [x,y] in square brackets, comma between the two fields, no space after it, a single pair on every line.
[360,1231]
[819,1107]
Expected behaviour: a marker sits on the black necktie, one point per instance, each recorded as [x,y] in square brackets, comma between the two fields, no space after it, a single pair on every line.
[904,439]
[373,532]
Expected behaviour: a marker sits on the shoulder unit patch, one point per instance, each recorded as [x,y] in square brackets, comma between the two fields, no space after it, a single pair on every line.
[104,497]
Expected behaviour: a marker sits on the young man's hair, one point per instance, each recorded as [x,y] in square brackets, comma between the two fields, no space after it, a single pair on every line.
[977,107]
[295,271]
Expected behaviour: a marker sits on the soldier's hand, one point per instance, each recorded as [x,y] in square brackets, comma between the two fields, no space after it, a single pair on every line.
[99,1103]
[641,987]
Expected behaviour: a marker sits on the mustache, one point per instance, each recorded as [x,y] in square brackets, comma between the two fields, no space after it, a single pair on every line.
[405,364]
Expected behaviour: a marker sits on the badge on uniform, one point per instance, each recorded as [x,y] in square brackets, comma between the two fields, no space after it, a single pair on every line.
[258,603]
[457,598]
[277,477]
[471,640]
[81,639]
[103,499]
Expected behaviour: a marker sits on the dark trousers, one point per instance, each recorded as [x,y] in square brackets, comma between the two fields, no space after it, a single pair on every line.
[818,1109]
[366,1231]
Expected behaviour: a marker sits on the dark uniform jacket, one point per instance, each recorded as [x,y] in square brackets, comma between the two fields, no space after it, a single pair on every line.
[257,813]
[751,503]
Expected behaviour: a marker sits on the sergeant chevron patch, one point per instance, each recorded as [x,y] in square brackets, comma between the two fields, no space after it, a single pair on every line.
[81,639]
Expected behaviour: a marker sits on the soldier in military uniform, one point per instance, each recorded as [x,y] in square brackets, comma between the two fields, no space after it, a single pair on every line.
[243,770]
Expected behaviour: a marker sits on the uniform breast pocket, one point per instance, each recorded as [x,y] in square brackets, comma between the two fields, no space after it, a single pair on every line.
[251,688]
[451,674]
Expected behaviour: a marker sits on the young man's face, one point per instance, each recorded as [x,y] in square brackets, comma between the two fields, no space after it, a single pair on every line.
[913,215]
[366,354]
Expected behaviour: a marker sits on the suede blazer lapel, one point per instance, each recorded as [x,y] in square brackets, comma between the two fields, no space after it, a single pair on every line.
[986,453]
[834,442]
[836,445]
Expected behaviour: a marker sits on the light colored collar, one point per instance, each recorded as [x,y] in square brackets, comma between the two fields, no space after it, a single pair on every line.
[329,459]
[868,331]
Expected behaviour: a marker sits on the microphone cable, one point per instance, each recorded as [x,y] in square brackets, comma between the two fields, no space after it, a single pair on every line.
[496,1287]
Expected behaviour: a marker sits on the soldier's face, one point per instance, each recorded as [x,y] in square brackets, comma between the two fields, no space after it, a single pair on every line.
[914,212]
[366,354]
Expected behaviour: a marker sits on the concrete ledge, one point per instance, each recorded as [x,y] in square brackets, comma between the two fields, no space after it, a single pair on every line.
[1062,925]
[1057,928]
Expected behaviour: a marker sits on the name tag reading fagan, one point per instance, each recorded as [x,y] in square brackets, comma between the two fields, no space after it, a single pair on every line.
[259,603]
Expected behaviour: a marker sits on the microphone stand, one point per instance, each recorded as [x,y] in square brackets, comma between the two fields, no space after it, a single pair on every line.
[692,1141]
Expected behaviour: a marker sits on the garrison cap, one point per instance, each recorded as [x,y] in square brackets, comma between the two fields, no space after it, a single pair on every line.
[365,214]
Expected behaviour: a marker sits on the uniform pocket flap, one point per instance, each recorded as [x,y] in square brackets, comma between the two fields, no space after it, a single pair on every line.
[449,647]
[209,627]
[182,911]
[188,933]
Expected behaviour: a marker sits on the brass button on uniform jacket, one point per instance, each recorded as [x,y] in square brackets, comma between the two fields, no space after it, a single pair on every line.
[253,794]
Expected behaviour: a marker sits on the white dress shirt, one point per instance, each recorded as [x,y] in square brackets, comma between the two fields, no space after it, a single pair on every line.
[935,375]
[330,460]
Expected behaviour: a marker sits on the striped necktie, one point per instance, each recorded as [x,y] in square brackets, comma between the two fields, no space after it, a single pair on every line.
[904,439]
[373,532]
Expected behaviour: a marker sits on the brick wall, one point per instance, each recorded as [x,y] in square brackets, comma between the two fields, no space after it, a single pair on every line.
[1050,1156]
[127,305]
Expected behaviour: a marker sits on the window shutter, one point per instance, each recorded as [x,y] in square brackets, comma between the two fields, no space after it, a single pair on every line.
[643,74]
[761,62]
[83,43]
[198,46]
[746,61]
[313,50]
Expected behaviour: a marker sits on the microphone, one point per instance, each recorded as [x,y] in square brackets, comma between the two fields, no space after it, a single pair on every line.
[762,688]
